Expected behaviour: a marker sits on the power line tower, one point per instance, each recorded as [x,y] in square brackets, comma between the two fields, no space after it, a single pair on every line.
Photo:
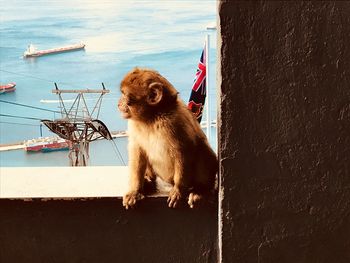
[79,125]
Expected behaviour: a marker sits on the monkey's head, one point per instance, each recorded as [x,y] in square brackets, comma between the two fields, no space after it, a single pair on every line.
[145,95]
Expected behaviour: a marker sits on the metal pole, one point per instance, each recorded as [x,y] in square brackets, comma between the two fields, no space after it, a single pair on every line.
[207,84]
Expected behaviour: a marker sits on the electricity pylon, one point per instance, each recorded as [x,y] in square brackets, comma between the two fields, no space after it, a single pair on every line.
[79,125]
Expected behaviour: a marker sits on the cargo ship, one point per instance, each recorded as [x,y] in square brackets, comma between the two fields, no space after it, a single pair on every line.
[47,144]
[10,87]
[32,52]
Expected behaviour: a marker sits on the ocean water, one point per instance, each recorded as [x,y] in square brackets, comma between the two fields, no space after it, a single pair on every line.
[164,35]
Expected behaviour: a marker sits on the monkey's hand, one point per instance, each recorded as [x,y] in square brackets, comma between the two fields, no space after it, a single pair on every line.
[130,199]
[174,197]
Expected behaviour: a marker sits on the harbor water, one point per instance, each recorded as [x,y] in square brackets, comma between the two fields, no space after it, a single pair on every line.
[164,35]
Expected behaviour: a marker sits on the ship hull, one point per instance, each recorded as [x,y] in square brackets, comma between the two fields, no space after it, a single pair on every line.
[47,149]
[7,88]
[47,146]
[54,51]
[34,148]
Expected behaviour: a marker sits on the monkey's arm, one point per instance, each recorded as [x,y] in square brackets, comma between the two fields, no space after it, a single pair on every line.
[137,167]
[177,191]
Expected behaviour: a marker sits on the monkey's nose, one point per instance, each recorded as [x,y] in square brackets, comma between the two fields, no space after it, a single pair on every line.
[120,106]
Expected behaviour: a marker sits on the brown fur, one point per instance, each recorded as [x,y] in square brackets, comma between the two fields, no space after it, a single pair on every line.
[165,140]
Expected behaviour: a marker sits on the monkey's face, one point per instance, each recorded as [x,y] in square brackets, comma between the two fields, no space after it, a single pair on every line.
[123,107]
[144,94]
[129,104]
[140,103]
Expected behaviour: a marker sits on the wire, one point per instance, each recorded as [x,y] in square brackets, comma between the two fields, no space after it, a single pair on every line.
[30,76]
[20,117]
[28,106]
[72,85]
[16,123]
[116,150]
[33,107]
[42,79]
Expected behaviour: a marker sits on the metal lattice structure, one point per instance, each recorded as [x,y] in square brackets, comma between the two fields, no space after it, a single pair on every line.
[79,125]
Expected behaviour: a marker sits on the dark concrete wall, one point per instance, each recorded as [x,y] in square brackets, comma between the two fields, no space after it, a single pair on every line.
[285,131]
[101,230]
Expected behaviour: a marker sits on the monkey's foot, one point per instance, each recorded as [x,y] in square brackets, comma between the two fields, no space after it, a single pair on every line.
[194,199]
[174,198]
[130,199]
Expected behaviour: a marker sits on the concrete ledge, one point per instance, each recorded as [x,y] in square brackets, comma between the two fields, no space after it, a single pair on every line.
[67,182]
[63,182]
[75,214]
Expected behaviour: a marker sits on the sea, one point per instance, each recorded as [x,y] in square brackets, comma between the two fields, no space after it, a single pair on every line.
[165,35]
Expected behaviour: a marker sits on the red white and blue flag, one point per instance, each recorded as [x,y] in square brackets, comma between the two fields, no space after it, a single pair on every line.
[198,93]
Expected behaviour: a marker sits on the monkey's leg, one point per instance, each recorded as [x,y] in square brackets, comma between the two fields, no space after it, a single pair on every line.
[149,184]
[204,187]
[137,166]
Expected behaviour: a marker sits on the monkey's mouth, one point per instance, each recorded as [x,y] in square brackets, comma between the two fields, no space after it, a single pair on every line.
[124,111]
[125,114]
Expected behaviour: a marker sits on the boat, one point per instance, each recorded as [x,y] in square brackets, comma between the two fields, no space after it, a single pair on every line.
[47,144]
[10,87]
[32,52]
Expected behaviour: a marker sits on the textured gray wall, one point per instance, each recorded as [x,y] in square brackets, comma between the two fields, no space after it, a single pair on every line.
[285,131]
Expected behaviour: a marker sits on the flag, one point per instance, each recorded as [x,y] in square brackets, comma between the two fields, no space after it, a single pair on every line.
[198,93]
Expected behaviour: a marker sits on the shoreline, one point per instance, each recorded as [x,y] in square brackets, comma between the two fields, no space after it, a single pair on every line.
[21,145]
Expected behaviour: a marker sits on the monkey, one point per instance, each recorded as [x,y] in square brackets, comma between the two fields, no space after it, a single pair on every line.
[165,141]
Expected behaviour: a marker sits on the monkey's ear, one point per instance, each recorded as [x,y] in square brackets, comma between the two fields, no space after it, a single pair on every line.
[155,93]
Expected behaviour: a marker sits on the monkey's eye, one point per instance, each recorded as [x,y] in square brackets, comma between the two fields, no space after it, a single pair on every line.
[131,101]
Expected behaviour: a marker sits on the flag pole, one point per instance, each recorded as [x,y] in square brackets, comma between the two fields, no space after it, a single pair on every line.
[207,84]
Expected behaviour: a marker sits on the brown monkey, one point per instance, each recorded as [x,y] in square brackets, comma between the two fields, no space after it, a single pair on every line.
[165,140]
